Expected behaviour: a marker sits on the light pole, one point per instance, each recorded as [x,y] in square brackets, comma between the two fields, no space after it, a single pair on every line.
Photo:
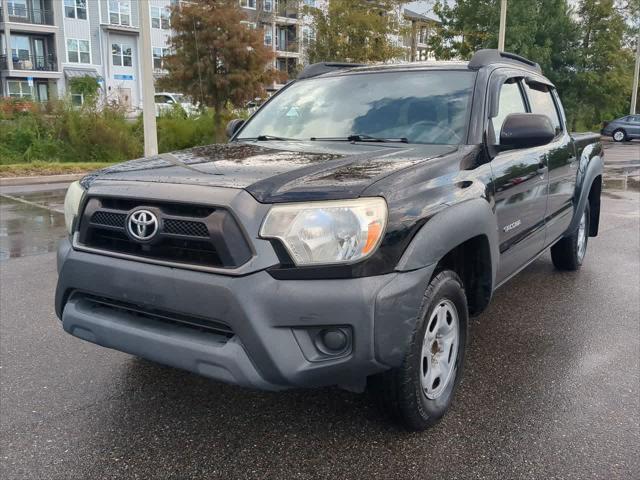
[634,93]
[503,24]
[148,90]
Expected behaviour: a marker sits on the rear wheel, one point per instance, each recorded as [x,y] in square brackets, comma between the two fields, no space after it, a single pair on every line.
[569,252]
[419,392]
[619,135]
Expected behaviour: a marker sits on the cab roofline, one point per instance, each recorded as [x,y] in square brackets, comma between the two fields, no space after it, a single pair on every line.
[481,59]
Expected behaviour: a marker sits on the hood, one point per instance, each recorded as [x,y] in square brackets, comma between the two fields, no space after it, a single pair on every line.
[277,171]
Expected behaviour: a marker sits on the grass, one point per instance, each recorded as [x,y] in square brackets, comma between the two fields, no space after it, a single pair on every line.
[28,169]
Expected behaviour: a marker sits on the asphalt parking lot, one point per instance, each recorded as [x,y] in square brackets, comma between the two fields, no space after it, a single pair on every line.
[551,388]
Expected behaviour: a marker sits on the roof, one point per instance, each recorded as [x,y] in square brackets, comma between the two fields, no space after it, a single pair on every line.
[481,59]
[419,16]
[72,72]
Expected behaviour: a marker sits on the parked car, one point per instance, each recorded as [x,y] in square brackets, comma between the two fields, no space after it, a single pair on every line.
[343,236]
[252,106]
[166,101]
[622,129]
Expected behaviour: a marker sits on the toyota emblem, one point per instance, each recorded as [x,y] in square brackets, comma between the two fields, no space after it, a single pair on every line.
[142,225]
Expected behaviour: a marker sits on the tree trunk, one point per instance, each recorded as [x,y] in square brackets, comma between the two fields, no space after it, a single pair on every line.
[218,133]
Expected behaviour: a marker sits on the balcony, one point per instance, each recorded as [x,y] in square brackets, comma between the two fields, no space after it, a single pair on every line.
[287,11]
[46,63]
[288,46]
[26,14]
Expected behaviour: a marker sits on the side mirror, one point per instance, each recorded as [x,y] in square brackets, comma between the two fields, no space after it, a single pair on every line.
[525,130]
[233,126]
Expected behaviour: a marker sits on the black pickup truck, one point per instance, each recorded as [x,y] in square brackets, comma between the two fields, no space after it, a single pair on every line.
[343,236]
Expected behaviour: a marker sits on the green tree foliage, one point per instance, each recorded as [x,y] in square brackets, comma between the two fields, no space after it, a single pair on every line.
[87,86]
[581,49]
[602,86]
[355,31]
[217,59]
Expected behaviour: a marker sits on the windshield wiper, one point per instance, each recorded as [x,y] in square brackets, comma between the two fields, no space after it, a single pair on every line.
[266,138]
[360,138]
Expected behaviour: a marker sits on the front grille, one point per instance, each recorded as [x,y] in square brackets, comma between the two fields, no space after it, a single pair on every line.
[195,235]
[221,330]
[109,219]
[186,228]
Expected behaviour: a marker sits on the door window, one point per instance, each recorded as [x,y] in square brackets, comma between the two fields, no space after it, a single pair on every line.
[510,101]
[541,100]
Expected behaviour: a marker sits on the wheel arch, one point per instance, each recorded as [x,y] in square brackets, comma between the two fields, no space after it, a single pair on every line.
[462,238]
[588,189]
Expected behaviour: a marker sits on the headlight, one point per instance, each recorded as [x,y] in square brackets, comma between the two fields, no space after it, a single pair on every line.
[340,231]
[72,204]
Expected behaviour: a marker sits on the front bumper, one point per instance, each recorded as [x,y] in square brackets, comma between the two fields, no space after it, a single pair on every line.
[270,319]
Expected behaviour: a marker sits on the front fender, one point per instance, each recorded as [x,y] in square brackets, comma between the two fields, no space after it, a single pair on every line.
[449,228]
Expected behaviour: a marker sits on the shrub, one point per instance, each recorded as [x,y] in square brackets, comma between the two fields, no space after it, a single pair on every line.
[61,132]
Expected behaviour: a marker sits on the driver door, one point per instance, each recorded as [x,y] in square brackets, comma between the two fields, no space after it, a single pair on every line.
[521,184]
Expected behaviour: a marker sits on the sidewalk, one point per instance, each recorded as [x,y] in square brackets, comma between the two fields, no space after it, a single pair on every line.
[40,179]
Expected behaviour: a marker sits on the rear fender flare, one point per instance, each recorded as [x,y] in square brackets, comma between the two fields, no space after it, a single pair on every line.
[588,171]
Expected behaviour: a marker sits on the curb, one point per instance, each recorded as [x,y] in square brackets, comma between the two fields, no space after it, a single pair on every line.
[35,180]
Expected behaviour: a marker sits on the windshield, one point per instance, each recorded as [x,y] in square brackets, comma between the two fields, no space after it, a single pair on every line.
[421,107]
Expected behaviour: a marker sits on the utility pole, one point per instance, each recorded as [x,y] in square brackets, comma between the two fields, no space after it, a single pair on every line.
[503,24]
[148,90]
[634,93]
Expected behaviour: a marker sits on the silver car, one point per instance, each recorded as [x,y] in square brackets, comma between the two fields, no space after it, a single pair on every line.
[623,129]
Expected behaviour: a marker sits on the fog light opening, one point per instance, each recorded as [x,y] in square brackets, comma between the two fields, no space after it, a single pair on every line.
[333,341]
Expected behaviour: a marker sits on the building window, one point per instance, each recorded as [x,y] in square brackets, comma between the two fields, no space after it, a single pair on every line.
[308,36]
[248,4]
[268,5]
[78,51]
[77,98]
[249,25]
[19,89]
[17,8]
[120,12]
[121,55]
[160,18]
[20,48]
[75,9]
[268,35]
[158,57]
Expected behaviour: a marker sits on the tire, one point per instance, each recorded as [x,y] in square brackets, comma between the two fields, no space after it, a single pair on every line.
[568,253]
[619,135]
[400,392]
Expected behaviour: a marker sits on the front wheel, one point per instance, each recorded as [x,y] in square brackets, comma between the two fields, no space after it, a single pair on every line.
[419,392]
[569,252]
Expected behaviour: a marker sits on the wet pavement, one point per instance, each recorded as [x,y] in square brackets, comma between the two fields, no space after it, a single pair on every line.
[551,388]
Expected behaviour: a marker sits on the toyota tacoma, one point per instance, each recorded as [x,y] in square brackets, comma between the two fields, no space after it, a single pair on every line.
[344,234]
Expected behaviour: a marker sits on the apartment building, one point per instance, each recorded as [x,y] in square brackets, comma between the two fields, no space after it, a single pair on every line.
[419,26]
[285,29]
[29,34]
[46,43]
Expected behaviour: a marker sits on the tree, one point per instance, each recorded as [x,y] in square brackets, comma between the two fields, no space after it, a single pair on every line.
[601,89]
[216,58]
[355,31]
[86,86]
[582,51]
